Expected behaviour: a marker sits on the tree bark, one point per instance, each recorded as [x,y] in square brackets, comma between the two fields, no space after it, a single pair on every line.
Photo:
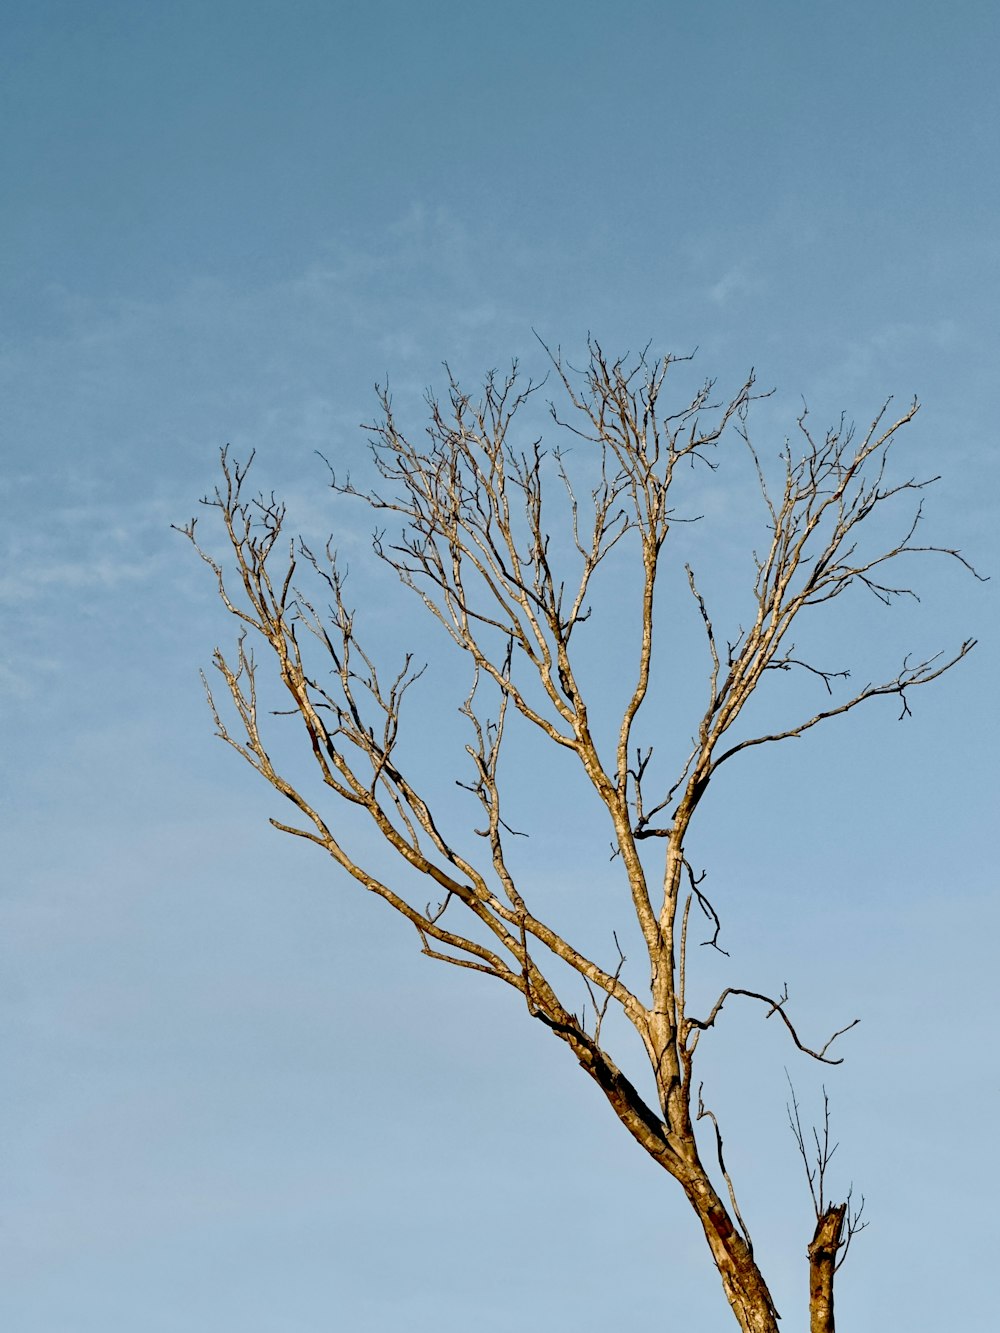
[742,1281]
[822,1265]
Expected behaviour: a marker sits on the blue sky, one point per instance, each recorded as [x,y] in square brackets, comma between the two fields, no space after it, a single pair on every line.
[235,1096]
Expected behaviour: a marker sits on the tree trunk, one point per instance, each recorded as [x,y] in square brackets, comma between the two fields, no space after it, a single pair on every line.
[822,1265]
[744,1285]
[745,1288]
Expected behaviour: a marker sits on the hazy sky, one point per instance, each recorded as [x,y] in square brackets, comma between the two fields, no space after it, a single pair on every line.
[234,1096]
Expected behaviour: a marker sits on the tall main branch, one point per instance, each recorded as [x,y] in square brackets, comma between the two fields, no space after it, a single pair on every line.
[506,548]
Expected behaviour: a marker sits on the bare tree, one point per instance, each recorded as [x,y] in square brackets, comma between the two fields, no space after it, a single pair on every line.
[504,548]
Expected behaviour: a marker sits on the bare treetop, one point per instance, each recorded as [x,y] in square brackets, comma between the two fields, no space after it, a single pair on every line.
[503,540]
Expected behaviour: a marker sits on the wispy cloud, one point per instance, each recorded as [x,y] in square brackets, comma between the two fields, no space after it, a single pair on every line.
[75,548]
[734,284]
